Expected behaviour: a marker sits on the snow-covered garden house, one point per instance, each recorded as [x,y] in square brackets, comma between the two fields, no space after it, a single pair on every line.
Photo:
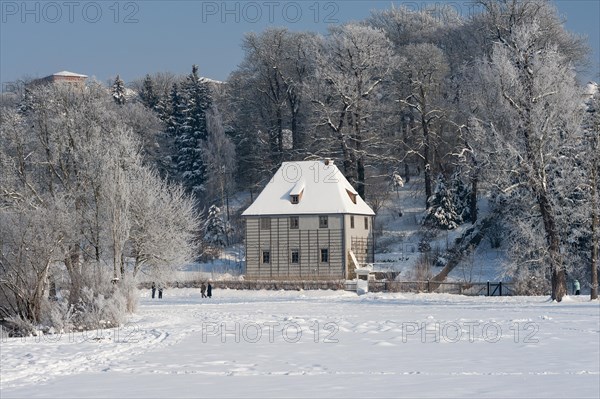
[308,223]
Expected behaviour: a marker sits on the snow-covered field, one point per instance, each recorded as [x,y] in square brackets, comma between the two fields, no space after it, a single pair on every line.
[320,344]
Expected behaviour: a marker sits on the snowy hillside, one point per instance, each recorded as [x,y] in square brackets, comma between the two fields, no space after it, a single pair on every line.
[320,343]
[400,232]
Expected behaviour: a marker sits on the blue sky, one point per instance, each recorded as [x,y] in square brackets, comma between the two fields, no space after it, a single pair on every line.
[132,38]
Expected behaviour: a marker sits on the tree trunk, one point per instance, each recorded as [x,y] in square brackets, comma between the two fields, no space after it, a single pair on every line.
[426,146]
[594,262]
[358,141]
[559,280]
[279,133]
[74,270]
[34,302]
[294,104]
[122,263]
[406,126]
[137,266]
[426,164]
[473,201]
[96,233]
[595,233]
[474,186]
[360,183]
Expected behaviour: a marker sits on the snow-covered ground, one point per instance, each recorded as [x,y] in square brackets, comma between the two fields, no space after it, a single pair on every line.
[320,344]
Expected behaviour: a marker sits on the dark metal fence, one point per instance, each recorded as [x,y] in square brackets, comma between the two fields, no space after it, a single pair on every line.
[461,288]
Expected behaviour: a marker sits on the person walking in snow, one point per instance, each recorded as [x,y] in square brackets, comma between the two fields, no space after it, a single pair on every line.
[203,290]
[576,287]
[153,290]
[209,290]
[160,290]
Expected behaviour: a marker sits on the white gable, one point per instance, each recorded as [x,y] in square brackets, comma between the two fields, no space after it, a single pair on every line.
[323,189]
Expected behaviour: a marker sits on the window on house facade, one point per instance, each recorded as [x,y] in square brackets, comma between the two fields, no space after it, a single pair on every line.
[265,223]
[323,222]
[294,222]
[366,223]
[295,256]
[266,256]
[295,199]
[351,222]
[324,255]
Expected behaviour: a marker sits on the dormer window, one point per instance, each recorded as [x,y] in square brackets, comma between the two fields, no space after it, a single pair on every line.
[352,196]
[296,192]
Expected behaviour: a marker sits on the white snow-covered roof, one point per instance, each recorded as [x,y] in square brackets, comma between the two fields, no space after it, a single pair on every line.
[209,80]
[591,88]
[323,189]
[67,73]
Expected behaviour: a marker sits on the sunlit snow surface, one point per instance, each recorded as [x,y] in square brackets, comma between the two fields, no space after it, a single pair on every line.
[350,346]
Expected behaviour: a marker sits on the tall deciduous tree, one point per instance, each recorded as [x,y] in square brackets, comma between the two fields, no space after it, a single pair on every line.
[218,154]
[423,71]
[535,94]
[276,68]
[353,64]
[591,149]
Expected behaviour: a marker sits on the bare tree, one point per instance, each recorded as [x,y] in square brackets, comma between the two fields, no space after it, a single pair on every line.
[353,64]
[164,225]
[424,69]
[30,239]
[219,156]
[277,63]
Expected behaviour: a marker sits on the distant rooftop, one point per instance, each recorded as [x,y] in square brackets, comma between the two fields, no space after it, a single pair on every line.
[67,73]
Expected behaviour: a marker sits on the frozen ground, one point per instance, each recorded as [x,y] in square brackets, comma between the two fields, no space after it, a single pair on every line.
[376,345]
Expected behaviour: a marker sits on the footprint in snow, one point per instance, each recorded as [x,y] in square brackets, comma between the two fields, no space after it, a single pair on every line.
[383,343]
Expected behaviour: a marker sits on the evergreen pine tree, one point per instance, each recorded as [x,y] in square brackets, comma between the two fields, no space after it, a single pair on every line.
[461,196]
[118,91]
[441,211]
[215,229]
[27,102]
[198,98]
[195,103]
[148,94]
[175,121]
[162,107]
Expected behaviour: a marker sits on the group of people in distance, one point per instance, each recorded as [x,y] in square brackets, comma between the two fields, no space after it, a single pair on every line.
[160,290]
[206,290]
